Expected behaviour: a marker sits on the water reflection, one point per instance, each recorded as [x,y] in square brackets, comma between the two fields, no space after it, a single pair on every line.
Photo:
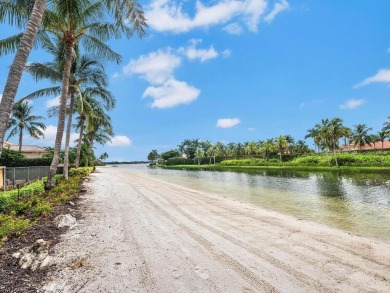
[359,203]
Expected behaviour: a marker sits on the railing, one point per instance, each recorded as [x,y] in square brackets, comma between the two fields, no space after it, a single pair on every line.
[15,175]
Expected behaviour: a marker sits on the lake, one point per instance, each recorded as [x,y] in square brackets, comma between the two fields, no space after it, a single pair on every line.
[358,203]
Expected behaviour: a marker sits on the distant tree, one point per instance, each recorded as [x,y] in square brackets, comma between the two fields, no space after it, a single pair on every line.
[22,120]
[103,156]
[170,154]
[199,155]
[153,156]
[281,144]
[360,136]
[267,147]
[382,135]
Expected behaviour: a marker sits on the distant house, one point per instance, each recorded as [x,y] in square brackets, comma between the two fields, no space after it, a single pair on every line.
[377,146]
[30,151]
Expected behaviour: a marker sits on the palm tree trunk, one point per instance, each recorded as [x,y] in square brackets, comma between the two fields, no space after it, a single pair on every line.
[16,70]
[82,122]
[20,139]
[61,116]
[67,138]
[335,157]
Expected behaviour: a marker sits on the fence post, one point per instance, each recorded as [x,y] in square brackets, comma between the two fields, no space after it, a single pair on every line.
[28,174]
[13,179]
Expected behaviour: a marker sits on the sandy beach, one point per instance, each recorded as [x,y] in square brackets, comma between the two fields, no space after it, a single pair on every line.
[139,234]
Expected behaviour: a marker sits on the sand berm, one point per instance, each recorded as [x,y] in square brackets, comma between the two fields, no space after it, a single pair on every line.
[139,234]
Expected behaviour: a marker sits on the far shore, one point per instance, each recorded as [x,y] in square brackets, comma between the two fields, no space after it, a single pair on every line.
[343,169]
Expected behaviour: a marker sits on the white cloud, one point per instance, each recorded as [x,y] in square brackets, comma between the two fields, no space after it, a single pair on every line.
[233,29]
[53,102]
[192,53]
[352,104]
[228,122]
[251,129]
[171,94]
[278,7]
[168,15]
[120,140]
[383,75]
[156,67]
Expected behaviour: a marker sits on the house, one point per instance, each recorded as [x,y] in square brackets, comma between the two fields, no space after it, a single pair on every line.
[30,151]
[378,145]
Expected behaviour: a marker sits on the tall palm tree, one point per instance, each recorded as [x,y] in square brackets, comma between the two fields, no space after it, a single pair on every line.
[22,120]
[86,72]
[314,133]
[251,148]
[360,136]
[335,130]
[26,43]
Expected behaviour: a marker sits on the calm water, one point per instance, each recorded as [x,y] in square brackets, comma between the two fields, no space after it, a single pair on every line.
[359,203]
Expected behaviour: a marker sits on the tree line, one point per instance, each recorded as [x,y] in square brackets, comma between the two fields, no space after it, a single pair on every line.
[328,136]
[75,33]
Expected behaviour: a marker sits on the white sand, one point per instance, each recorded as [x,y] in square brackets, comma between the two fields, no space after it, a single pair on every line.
[144,235]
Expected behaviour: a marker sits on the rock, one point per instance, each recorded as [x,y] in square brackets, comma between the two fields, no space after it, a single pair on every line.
[65,221]
[71,203]
[33,256]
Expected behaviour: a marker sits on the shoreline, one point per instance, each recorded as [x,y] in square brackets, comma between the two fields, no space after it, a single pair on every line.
[342,169]
[153,236]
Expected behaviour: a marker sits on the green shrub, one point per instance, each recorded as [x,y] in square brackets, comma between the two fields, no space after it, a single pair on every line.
[80,172]
[42,209]
[179,161]
[10,224]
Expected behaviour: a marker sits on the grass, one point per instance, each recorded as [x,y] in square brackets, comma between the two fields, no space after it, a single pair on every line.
[19,209]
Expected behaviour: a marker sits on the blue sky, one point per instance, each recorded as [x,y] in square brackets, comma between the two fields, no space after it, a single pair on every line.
[241,70]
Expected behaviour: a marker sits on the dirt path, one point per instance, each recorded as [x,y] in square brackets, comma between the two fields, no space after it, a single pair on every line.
[144,235]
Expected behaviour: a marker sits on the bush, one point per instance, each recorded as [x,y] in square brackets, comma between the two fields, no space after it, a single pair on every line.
[179,161]
[80,172]
[10,224]
[42,209]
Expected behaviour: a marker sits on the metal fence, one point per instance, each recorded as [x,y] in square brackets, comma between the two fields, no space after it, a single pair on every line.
[17,175]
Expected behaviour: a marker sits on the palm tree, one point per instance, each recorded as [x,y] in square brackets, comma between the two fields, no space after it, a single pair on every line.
[360,136]
[22,120]
[336,130]
[382,135]
[251,148]
[281,144]
[18,12]
[199,155]
[267,147]
[87,74]
[314,133]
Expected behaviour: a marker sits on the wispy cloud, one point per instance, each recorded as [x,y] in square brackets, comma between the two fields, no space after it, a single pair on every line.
[352,104]
[228,122]
[233,29]
[278,8]
[120,140]
[168,15]
[192,53]
[383,76]
[53,102]
[251,129]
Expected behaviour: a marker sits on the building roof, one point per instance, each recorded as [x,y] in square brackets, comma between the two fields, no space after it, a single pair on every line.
[25,148]
[378,145]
